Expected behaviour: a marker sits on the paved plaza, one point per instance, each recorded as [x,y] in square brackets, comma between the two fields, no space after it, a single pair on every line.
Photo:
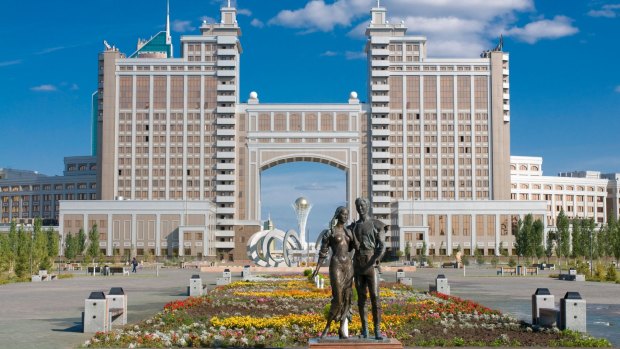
[48,314]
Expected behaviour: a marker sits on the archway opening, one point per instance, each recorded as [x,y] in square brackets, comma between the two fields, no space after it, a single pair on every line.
[325,187]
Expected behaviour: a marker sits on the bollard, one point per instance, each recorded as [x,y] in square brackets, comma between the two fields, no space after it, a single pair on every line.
[246,273]
[441,284]
[117,304]
[96,313]
[542,298]
[322,284]
[406,281]
[573,312]
[195,286]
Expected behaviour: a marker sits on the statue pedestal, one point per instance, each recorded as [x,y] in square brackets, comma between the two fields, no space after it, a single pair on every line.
[354,343]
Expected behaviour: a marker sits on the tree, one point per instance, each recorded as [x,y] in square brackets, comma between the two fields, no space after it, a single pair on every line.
[502,249]
[588,237]
[40,256]
[614,235]
[521,245]
[12,247]
[4,253]
[537,239]
[408,250]
[70,246]
[563,236]
[53,243]
[81,242]
[22,257]
[578,240]
[551,238]
[93,251]
[399,254]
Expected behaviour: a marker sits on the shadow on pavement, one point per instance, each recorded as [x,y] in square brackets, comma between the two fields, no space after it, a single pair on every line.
[76,326]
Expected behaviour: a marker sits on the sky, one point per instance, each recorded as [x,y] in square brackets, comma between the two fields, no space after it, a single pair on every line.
[565,79]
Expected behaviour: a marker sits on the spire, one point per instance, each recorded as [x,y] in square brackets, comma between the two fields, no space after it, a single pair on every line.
[168,38]
[228,3]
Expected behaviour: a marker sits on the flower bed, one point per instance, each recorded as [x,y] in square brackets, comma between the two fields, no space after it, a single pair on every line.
[287,312]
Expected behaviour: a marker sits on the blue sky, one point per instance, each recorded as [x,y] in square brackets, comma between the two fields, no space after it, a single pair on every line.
[565,80]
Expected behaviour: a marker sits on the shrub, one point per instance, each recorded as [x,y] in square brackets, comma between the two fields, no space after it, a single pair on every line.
[494,261]
[599,272]
[465,260]
[307,272]
[612,273]
[511,262]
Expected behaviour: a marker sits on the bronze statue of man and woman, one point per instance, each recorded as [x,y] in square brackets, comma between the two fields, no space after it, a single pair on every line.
[356,252]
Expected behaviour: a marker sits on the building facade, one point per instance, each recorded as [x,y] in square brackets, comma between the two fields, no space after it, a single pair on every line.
[580,194]
[430,149]
[26,195]
[434,130]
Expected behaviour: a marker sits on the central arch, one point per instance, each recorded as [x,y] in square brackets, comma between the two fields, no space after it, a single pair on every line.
[331,134]
[346,159]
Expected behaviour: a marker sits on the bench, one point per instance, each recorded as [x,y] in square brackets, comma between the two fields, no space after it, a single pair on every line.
[503,270]
[119,270]
[531,271]
[572,277]
[43,276]
[89,270]
[449,265]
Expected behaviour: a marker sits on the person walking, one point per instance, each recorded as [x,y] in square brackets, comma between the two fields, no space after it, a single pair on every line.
[134,264]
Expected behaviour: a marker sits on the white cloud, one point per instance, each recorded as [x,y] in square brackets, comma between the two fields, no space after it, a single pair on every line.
[181,26]
[44,88]
[351,55]
[257,23]
[329,54]
[74,87]
[608,11]
[558,27]
[319,16]
[8,63]
[453,28]
[617,89]
[315,187]
[244,12]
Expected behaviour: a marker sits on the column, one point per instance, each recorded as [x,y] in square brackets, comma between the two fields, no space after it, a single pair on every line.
[134,235]
[181,237]
[497,235]
[474,232]
[157,235]
[110,250]
[449,233]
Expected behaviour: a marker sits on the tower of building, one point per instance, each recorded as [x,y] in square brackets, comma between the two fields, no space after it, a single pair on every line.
[167,126]
[439,129]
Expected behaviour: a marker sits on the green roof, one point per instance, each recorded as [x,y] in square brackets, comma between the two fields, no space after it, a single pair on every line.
[155,44]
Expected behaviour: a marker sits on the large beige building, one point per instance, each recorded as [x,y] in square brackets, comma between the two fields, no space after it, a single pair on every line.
[431,148]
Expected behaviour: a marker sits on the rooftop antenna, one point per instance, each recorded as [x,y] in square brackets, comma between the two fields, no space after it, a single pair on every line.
[168,37]
[378,3]
[228,3]
[168,22]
